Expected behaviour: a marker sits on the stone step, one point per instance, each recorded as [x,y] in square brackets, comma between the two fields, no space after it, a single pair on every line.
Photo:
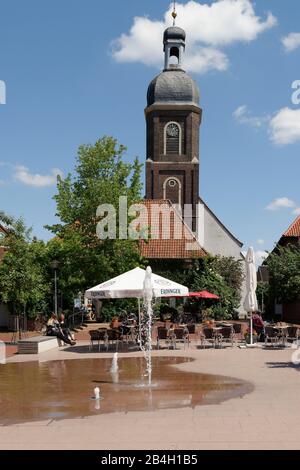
[83,334]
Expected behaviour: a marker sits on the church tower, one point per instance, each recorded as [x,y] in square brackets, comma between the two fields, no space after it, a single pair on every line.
[173,118]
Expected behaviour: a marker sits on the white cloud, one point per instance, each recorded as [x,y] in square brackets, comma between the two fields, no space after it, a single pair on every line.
[243,116]
[285,126]
[205,59]
[291,42]
[23,175]
[208,27]
[2,92]
[260,241]
[280,203]
[296,211]
[260,256]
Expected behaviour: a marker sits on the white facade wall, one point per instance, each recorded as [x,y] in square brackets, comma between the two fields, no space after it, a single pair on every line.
[216,240]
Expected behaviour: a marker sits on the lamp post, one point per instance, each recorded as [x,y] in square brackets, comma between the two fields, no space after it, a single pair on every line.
[55,265]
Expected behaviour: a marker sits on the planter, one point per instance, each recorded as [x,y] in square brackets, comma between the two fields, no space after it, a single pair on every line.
[115,323]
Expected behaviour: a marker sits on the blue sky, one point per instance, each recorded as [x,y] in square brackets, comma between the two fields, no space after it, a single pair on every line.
[69,80]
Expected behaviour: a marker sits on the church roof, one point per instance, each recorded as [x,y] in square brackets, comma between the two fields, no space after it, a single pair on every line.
[173,87]
[294,229]
[180,243]
[290,236]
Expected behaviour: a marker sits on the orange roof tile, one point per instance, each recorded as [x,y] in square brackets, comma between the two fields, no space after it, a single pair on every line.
[294,229]
[168,235]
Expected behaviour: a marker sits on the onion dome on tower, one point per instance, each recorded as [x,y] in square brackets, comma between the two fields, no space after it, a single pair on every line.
[173,85]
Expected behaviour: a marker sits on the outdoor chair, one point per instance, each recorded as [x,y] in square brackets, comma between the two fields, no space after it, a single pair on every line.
[125,333]
[226,335]
[207,335]
[96,336]
[271,335]
[180,335]
[281,335]
[113,337]
[162,335]
[191,328]
[292,333]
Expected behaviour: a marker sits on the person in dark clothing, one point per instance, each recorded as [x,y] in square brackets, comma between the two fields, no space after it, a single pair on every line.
[54,329]
[66,331]
[258,325]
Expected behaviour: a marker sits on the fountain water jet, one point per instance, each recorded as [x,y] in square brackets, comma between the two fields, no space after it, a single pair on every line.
[146,326]
[114,365]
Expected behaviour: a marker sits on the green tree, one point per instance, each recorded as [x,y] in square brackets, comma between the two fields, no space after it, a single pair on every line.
[101,176]
[232,272]
[263,295]
[222,276]
[207,277]
[284,272]
[22,278]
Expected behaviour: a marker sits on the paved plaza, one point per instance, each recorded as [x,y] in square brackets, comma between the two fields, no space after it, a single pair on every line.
[266,418]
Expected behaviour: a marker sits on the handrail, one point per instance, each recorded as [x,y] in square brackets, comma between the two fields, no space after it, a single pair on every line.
[71,320]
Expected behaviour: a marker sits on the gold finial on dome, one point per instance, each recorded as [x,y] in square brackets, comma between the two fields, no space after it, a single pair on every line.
[174,14]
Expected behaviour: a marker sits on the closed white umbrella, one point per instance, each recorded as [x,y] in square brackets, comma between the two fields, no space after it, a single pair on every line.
[131,285]
[250,302]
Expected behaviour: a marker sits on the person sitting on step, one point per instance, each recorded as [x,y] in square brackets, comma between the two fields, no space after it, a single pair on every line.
[54,329]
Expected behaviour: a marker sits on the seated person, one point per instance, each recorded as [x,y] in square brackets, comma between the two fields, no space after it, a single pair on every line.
[258,324]
[66,331]
[54,329]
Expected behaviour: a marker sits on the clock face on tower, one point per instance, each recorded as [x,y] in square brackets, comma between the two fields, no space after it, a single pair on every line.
[173,130]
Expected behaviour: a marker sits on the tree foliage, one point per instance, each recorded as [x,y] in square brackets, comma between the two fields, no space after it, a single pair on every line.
[219,275]
[222,276]
[23,284]
[101,176]
[284,272]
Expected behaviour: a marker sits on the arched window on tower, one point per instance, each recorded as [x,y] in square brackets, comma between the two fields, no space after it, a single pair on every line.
[174,56]
[172,190]
[172,139]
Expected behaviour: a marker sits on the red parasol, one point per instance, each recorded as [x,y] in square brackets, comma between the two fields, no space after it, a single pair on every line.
[204,295]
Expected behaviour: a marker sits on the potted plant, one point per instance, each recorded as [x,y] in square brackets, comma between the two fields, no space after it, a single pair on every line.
[247,336]
[114,322]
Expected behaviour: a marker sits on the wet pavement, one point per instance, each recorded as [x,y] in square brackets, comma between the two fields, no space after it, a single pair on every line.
[62,389]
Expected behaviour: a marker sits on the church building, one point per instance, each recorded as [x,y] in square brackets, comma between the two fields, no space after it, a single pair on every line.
[173,119]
